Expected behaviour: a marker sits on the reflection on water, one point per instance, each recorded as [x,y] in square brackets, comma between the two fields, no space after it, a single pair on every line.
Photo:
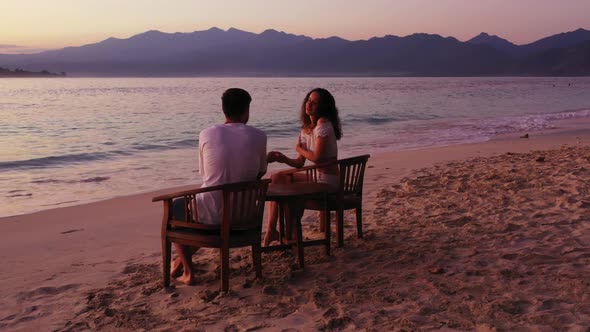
[82,139]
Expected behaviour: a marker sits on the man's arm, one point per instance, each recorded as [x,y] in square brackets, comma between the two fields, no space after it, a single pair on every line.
[263,163]
[201,163]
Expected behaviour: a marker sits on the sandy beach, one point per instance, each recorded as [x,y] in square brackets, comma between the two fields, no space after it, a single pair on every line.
[491,236]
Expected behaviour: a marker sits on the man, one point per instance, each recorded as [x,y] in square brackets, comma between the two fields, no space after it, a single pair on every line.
[229,152]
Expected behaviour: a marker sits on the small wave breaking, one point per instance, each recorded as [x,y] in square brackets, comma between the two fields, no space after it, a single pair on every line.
[96,179]
[87,157]
[58,161]
[530,122]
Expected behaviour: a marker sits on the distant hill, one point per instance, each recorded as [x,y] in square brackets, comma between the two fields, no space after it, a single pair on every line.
[570,61]
[234,52]
[496,42]
[562,40]
[4,72]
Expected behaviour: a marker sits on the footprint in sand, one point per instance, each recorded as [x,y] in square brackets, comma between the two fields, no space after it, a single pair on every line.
[45,291]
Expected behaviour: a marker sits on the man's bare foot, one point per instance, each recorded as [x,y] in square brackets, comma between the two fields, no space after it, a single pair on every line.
[176,269]
[269,237]
[187,279]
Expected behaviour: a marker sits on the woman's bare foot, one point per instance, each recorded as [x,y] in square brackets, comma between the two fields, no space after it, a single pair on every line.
[187,279]
[176,269]
[269,237]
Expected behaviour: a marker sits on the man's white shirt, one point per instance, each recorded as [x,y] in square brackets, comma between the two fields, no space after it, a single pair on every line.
[228,153]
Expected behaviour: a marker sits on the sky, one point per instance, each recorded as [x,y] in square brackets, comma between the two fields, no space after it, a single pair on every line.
[35,25]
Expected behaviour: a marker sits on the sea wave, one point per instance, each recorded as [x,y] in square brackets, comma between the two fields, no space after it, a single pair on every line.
[54,161]
[529,122]
[419,135]
[86,157]
[375,119]
[185,143]
[95,179]
[379,119]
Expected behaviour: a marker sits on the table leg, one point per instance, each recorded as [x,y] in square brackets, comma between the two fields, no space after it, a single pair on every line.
[327,226]
[299,242]
[288,233]
[293,229]
[281,221]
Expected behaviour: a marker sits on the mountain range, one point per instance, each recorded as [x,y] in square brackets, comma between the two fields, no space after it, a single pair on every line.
[234,52]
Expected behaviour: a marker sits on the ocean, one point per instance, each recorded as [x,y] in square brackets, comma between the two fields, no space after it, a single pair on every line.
[67,141]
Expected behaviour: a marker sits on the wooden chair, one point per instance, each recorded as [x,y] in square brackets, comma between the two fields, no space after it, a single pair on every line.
[349,194]
[243,206]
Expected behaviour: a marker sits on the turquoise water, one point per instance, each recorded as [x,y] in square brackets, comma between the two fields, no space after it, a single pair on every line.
[76,140]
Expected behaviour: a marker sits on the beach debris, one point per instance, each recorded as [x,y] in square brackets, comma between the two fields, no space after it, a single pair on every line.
[407,187]
[437,270]
[540,159]
[247,283]
[20,195]
[509,256]
[109,312]
[269,290]
[460,221]
[169,289]
[72,231]
[486,327]
[208,296]
[337,323]
[525,136]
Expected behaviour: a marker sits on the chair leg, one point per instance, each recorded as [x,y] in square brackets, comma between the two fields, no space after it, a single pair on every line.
[224,253]
[340,227]
[257,259]
[166,260]
[282,234]
[322,217]
[328,230]
[359,222]
[299,240]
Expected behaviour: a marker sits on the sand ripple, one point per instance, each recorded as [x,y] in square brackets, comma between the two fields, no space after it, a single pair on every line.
[499,243]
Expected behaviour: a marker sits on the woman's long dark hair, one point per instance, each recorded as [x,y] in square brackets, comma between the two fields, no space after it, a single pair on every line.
[326,109]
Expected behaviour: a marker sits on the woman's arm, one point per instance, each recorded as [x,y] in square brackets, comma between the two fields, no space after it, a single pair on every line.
[295,162]
[281,158]
[318,154]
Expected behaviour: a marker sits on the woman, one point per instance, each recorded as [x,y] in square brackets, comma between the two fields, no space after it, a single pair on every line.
[320,129]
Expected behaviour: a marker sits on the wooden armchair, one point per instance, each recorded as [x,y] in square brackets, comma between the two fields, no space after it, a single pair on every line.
[243,206]
[350,190]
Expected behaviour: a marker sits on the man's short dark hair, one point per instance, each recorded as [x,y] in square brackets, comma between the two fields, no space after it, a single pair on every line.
[235,102]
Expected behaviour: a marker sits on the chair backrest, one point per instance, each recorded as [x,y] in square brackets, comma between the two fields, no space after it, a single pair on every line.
[352,173]
[243,205]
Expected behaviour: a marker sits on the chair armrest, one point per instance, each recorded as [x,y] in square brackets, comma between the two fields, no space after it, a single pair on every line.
[202,190]
[308,168]
[186,193]
[194,225]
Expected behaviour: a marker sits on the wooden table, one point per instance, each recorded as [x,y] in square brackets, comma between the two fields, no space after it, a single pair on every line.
[287,195]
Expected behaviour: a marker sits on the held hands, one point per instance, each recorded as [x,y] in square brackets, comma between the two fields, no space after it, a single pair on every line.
[276,156]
